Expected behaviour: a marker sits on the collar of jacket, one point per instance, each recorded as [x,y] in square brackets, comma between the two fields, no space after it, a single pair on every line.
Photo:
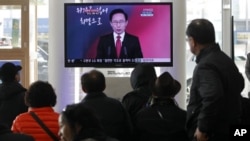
[164,101]
[94,95]
[205,51]
[33,109]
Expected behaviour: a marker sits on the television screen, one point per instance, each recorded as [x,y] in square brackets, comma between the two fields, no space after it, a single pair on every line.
[92,30]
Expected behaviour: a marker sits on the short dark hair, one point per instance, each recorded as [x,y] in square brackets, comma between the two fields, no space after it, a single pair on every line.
[202,31]
[93,81]
[78,114]
[115,11]
[40,94]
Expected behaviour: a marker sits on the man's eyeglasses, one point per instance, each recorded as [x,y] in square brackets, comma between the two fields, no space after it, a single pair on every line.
[118,22]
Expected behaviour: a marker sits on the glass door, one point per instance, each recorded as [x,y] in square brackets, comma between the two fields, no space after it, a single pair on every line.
[14,35]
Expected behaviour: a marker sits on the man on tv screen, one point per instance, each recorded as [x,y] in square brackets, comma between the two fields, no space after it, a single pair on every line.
[119,43]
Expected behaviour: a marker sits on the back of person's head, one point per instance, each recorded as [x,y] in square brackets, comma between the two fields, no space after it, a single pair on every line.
[143,75]
[40,94]
[80,120]
[8,72]
[116,11]
[202,31]
[166,86]
[93,81]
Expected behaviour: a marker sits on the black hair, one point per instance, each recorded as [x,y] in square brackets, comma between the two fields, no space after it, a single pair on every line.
[202,31]
[93,81]
[40,94]
[115,11]
[79,114]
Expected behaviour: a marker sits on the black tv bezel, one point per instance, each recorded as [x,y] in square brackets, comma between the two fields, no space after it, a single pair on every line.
[119,65]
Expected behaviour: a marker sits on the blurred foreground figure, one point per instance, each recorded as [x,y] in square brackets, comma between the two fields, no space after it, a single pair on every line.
[79,123]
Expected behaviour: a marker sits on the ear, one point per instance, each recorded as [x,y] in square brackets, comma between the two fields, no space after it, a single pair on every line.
[193,46]
[192,42]
[17,77]
[104,87]
[126,23]
[84,89]
[78,127]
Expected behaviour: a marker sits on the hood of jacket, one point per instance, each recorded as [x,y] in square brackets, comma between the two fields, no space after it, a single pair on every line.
[143,75]
[8,90]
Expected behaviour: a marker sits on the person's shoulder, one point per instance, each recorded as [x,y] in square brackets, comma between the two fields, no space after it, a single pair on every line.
[129,94]
[132,95]
[23,117]
[111,99]
[107,35]
[144,112]
[130,35]
[141,93]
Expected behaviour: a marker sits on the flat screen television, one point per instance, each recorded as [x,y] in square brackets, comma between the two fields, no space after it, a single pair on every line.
[88,27]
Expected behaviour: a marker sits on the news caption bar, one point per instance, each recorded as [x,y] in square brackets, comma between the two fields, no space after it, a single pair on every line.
[136,60]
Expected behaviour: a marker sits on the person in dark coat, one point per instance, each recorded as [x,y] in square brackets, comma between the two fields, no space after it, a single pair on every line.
[162,119]
[7,135]
[110,112]
[11,94]
[142,80]
[215,95]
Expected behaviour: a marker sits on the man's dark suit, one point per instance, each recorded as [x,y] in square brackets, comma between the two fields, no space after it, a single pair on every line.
[130,47]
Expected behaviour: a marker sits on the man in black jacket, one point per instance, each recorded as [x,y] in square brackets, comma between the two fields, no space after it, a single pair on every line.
[215,96]
[142,81]
[119,43]
[110,112]
[162,119]
[11,94]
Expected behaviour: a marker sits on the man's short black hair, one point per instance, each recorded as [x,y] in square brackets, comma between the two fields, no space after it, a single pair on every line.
[202,31]
[115,11]
[94,81]
[79,114]
[40,94]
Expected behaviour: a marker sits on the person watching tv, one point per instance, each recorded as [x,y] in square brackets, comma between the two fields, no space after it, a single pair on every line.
[40,121]
[119,43]
[11,93]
